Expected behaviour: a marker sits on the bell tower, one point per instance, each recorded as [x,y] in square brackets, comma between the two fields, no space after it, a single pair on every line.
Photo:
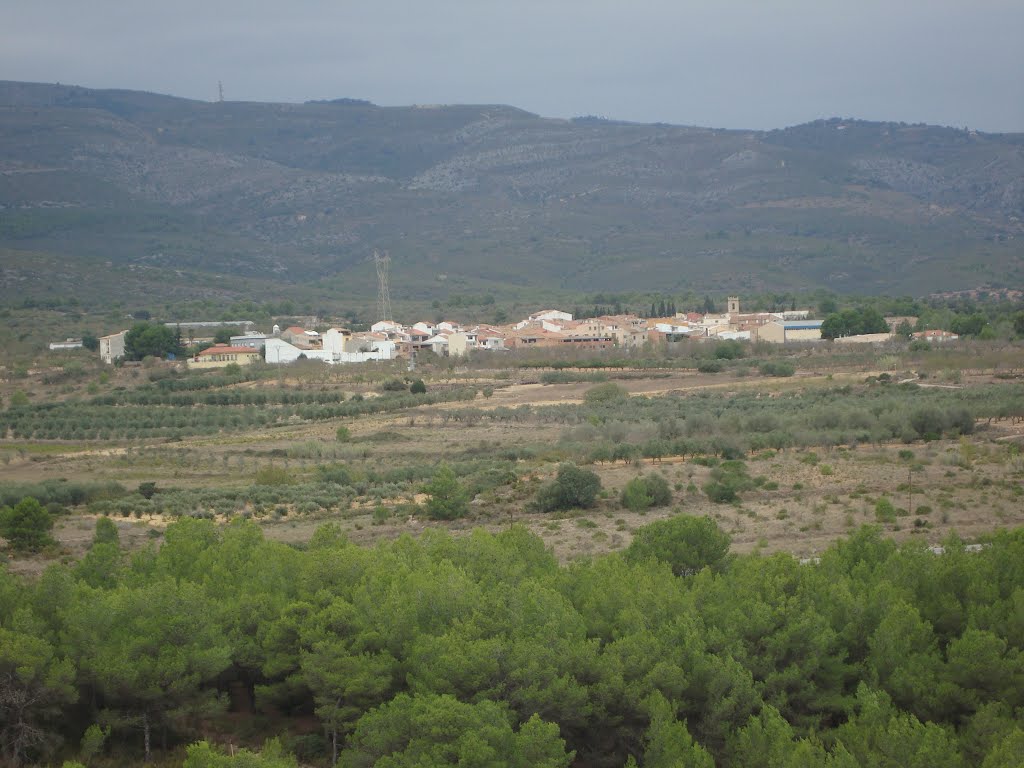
[734,305]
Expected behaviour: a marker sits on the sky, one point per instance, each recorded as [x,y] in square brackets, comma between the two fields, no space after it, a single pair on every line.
[757,64]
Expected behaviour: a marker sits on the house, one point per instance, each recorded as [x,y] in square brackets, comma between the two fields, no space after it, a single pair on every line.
[935,336]
[672,332]
[66,344]
[438,344]
[551,314]
[296,336]
[460,343]
[532,337]
[253,340]
[221,355]
[386,326]
[204,330]
[355,349]
[491,340]
[788,331]
[593,341]
[734,335]
[865,338]
[112,347]
[333,340]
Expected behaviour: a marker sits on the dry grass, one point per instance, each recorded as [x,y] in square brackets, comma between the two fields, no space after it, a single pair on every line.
[971,488]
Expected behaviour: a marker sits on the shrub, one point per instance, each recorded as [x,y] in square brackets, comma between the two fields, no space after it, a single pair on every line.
[729,350]
[605,393]
[273,476]
[727,481]
[449,499]
[885,512]
[418,387]
[106,532]
[572,487]
[643,492]
[343,434]
[634,495]
[338,474]
[394,385]
[26,526]
[687,544]
[777,368]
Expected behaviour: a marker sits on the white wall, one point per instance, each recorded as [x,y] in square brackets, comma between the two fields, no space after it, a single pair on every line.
[279,351]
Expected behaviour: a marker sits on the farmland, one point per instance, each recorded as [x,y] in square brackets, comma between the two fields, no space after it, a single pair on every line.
[819,450]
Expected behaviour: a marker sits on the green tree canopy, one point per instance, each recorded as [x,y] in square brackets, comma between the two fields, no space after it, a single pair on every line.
[34,684]
[686,543]
[429,730]
[147,339]
[449,498]
[572,488]
[853,322]
[26,526]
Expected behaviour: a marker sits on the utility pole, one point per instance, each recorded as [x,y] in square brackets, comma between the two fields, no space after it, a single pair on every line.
[220,91]
[910,493]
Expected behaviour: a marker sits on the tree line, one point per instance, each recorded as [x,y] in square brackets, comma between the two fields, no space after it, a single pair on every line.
[484,650]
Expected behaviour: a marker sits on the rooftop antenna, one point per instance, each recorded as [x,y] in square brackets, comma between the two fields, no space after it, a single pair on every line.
[383,264]
[220,91]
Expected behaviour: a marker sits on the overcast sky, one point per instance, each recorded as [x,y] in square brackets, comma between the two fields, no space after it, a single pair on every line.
[721,63]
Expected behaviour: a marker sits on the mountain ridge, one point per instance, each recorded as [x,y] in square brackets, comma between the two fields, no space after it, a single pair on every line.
[494,196]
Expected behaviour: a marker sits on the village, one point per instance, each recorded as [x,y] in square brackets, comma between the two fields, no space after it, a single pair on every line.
[545,329]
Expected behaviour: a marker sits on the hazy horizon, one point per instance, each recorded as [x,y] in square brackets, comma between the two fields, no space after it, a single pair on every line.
[734,64]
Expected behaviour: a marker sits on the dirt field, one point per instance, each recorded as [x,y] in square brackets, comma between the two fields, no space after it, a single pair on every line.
[804,500]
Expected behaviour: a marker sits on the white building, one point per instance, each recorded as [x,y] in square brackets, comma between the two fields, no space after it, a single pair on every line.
[66,344]
[252,340]
[551,314]
[386,326]
[112,347]
[279,351]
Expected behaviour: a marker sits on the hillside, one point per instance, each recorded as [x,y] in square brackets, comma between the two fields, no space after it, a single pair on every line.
[180,198]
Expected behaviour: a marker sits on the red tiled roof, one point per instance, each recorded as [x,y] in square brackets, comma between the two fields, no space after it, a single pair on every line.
[220,349]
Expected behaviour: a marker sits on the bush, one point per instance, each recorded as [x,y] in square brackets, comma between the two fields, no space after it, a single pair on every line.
[26,526]
[605,393]
[418,387]
[394,385]
[449,498]
[710,366]
[572,488]
[777,368]
[728,480]
[338,474]
[687,544]
[643,492]
[729,350]
[885,512]
[634,495]
[273,476]
[343,434]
